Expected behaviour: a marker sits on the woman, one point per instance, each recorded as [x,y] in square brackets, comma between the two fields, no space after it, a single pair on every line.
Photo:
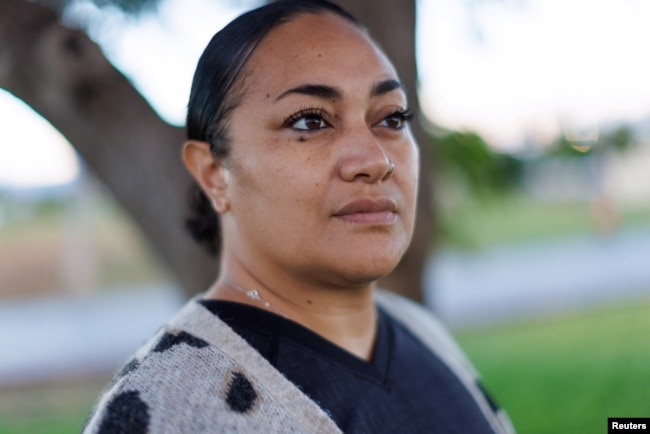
[298,139]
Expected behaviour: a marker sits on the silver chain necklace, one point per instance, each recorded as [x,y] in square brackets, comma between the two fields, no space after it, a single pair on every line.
[254,295]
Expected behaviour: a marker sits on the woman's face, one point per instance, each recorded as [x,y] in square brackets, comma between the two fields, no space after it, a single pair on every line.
[322,174]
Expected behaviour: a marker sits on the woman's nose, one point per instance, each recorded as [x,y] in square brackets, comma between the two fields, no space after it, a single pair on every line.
[364,158]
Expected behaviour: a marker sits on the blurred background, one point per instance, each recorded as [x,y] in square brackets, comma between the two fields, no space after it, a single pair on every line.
[536,126]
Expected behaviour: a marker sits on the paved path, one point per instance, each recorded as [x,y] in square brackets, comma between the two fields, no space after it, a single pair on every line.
[49,338]
[44,339]
[506,283]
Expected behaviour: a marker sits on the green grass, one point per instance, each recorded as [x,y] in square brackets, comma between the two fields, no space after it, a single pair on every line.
[515,218]
[54,408]
[568,374]
[46,423]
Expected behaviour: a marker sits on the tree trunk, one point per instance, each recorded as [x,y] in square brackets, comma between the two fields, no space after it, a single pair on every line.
[64,76]
[392,24]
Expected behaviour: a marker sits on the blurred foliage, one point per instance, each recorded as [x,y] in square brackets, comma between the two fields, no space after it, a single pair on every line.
[131,7]
[620,139]
[483,196]
[485,174]
[128,6]
[466,157]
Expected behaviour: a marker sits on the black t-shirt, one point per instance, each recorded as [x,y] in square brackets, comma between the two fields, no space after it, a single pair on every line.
[405,388]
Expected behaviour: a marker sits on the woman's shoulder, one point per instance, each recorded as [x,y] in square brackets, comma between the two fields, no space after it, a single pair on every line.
[432,333]
[197,375]
[422,322]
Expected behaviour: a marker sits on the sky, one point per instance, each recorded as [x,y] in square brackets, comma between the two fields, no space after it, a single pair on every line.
[508,69]
[32,153]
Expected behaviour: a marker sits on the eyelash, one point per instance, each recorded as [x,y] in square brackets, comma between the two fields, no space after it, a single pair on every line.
[318,113]
[404,115]
[306,113]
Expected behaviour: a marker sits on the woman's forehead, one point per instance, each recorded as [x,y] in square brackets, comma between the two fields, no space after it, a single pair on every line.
[313,48]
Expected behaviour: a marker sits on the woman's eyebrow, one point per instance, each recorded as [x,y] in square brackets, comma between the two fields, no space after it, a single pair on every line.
[317,90]
[386,86]
[328,92]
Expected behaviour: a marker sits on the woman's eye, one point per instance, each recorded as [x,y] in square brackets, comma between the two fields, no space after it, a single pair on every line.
[307,120]
[396,120]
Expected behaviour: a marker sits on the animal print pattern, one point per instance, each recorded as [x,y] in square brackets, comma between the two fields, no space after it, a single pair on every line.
[198,376]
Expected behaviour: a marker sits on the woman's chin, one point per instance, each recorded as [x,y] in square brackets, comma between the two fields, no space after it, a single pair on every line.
[369,272]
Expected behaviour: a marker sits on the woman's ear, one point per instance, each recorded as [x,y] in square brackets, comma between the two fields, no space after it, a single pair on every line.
[208,172]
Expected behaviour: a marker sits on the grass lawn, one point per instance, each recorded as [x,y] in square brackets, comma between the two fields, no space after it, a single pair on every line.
[567,374]
[54,408]
[516,219]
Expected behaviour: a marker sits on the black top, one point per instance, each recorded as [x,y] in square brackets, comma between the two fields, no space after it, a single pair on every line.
[405,388]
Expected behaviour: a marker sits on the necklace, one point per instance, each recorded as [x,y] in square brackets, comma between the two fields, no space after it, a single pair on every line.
[253,294]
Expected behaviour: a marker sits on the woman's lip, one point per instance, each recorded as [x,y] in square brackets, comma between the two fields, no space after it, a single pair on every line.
[368,210]
[369,218]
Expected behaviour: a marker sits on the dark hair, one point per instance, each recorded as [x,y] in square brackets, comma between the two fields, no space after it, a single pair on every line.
[216,91]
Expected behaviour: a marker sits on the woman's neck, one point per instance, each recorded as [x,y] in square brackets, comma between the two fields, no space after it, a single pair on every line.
[344,316]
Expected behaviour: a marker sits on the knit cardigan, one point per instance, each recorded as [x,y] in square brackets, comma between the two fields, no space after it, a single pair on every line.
[196,375]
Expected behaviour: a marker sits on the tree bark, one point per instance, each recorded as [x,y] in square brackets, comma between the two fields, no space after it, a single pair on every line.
[392,24]
[65,77]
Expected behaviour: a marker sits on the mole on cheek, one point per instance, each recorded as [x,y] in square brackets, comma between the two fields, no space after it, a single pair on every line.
[302,139]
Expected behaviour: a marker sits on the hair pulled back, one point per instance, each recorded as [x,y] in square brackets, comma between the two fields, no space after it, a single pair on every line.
[217,90]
